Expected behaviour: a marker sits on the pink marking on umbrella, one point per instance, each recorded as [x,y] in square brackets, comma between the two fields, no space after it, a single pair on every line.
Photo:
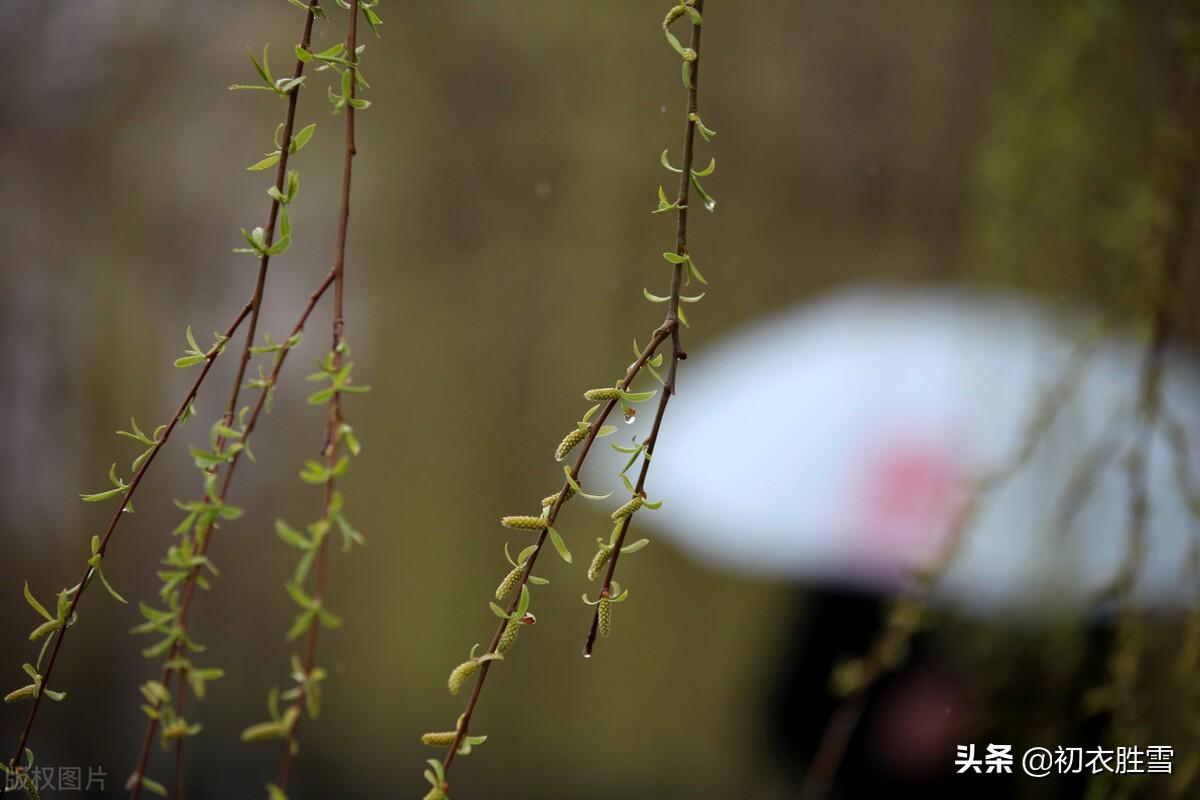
[904,493]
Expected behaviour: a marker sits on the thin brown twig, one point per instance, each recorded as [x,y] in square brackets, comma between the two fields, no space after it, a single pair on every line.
[335,419]
[657,338]
[134,783]
[264,261]
[677,354]
[136,481]
[668,329]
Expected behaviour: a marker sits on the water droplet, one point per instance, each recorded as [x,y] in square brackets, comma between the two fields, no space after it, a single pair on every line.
[630,415]
[709,205]
[586,654]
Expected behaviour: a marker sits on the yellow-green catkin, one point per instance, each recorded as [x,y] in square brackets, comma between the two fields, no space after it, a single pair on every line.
[523,522]
[510,635]
[439,738]
[549,499]
[29,784]
[604,616]
[24,693]
[624,511]
[510,580]
[459,675]
[598,561]
[436,793]
[602,394]
[568,443]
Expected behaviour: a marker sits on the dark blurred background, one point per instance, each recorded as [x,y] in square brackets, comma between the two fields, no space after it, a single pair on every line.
[499,244]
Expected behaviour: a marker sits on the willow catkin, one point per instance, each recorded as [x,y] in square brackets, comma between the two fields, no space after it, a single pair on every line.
[598,561]
[523,522]
[30,784]
[439,738]
[604,616]
[510,580]
[459,675]
[510,634]
[624,511]
[568,443]
[549,499]
[24,693]
[602,394]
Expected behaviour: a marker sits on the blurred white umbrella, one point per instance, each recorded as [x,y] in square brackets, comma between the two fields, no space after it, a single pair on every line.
[835,442]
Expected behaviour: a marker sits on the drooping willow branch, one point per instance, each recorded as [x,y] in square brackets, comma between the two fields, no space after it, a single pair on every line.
[591,427]
[335,371]
[186,562]
[682,259]
[174,625]
[262,239]
[67,611]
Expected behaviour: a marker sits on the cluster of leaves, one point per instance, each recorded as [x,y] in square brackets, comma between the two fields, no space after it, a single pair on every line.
[334,370]
[186,563]
[587,429]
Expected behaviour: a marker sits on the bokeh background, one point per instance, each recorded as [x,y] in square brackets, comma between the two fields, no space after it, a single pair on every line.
[499,245]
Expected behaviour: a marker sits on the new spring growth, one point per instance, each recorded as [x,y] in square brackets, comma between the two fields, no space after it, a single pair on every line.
[581,430]
[523,522]
[569,441]
[25,776]
[515,620]
[615,393]
[30,691]
[459,675]
[633,505]
[638,500]
[549,499]
[603,554]
[439,738]
[604,606]
[62,618]
[605,550]
[514,575]
[446,738]
[436,775]
[280,726]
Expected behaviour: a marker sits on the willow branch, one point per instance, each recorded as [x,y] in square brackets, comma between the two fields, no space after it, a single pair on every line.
[668,329]
[126,499]
[335,419]
[134,783]
[677,353]
[256,303]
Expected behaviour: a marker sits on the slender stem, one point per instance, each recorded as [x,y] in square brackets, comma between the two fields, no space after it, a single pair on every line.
[677,353]
[668,329]
[335,419]
[255,307]
[657,338]
[134,784]
[134,483]
[281,175]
